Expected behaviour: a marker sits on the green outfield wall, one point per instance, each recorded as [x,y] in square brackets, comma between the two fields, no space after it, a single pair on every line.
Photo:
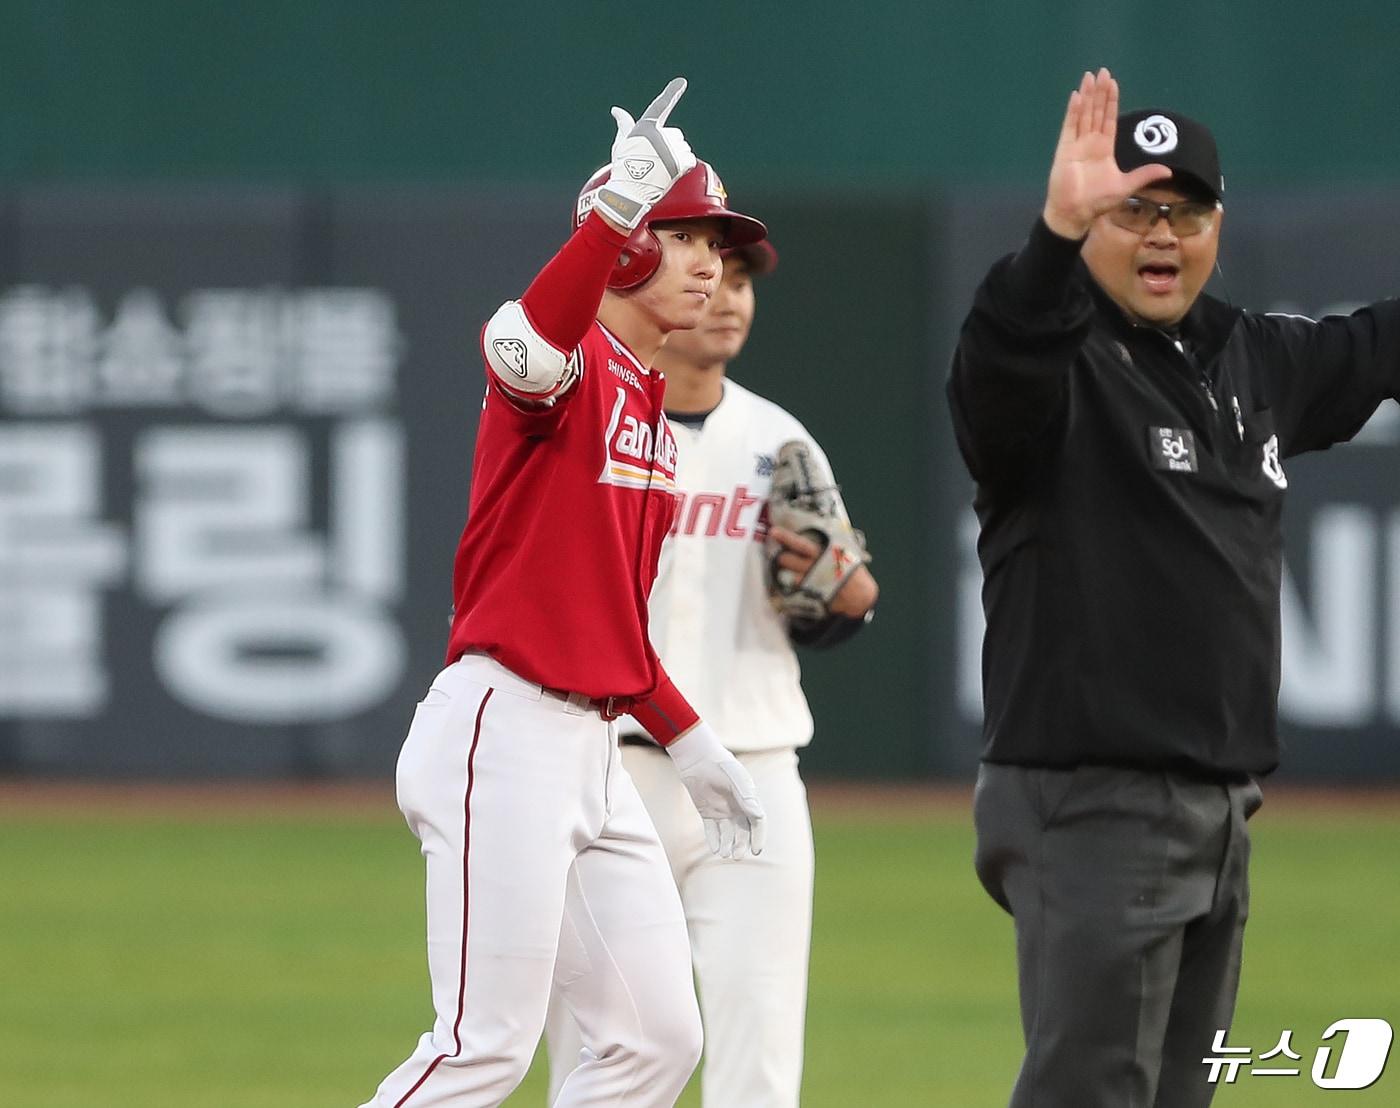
[782,92]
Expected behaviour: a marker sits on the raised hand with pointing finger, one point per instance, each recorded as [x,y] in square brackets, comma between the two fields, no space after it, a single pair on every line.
[1085,180]
[647,159]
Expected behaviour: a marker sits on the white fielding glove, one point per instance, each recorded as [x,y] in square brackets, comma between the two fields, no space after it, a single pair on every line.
[647,158]
[721,790]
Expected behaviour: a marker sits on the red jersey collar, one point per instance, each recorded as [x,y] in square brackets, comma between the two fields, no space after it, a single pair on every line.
[621,348]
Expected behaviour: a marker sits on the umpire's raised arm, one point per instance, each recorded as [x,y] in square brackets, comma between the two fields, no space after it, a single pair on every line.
[1031,313]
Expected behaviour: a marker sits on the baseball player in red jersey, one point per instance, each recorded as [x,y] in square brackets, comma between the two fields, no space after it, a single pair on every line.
[542,864]
[715,628]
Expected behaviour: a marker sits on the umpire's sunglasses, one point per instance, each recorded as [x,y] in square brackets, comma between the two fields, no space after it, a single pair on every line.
[1185,217]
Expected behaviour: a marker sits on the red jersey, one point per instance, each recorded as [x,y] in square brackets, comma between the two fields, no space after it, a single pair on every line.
[569,507]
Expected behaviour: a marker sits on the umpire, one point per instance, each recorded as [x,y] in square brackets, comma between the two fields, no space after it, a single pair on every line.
[1126,435]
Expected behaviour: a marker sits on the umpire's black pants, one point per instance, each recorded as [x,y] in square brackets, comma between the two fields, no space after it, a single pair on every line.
[1129,890]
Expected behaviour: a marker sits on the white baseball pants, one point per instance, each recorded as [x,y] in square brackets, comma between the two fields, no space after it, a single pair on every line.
[538,851]
[750,925]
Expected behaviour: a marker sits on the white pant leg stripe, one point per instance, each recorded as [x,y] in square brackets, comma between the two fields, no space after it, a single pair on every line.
[466,904]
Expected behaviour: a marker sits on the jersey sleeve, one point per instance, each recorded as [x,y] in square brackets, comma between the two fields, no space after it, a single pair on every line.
[664,712]
[1008,384]
[562,301]
[1327,377]
[549,322]
[822,634]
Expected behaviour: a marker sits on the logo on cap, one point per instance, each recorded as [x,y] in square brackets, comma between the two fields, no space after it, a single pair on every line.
[1156,135]
[714,187]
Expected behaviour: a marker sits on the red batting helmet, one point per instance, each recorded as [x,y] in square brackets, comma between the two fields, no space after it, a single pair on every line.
[697,194]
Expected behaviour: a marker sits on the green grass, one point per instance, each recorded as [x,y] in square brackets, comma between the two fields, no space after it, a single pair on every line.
[277,961]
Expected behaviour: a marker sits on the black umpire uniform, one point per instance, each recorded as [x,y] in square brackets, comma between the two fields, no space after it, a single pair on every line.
[1129,491]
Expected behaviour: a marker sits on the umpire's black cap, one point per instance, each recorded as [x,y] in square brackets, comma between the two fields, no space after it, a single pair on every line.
[1156,135]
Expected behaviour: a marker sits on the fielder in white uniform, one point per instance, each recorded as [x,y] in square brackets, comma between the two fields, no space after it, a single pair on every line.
[716,631]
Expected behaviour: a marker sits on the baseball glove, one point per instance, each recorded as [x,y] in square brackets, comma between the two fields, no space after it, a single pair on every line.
[805,499]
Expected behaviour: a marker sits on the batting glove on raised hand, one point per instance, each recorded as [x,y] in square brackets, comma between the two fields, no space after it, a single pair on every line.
[647,158]
[722,792]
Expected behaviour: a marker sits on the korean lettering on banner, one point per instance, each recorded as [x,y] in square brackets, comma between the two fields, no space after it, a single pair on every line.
[264,619]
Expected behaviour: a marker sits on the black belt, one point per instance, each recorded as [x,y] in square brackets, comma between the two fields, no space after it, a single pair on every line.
[639,740]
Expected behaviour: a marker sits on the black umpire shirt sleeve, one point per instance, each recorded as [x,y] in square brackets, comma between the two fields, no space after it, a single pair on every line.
[1327,377]
[1029,318]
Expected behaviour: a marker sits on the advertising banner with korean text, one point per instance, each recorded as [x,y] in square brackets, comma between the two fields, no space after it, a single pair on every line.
[235,443]
[235,436]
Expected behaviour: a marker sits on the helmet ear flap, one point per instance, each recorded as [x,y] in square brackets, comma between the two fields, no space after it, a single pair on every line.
[639,260]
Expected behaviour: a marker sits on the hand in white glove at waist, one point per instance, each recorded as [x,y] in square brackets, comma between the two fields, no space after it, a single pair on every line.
[721,790]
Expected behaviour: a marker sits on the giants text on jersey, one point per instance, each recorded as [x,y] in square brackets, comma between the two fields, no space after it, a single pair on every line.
[711,622]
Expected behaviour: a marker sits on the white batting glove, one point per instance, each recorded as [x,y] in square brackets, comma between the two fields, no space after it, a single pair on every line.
[722,791]
[647,158]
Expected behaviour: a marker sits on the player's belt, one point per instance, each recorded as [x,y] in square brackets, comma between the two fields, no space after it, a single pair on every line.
[609,707]
[635,739]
